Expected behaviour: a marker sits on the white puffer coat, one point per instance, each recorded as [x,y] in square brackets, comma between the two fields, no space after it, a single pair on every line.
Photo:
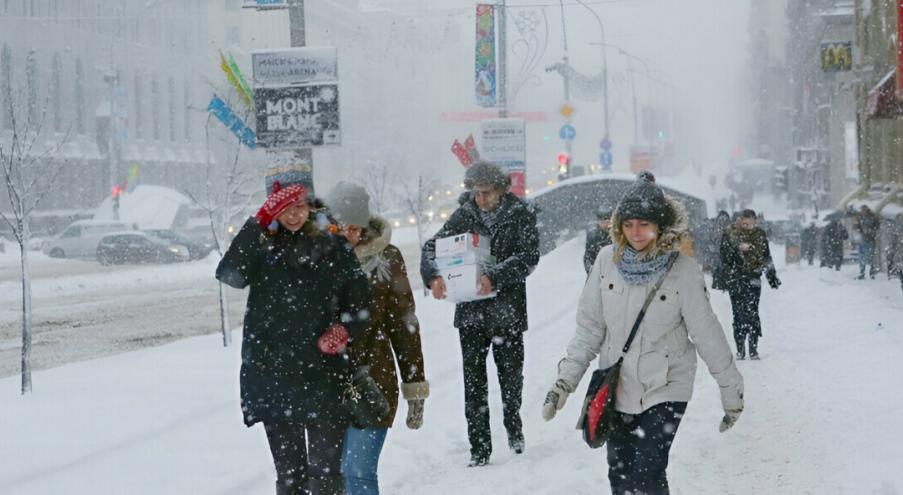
[661,363]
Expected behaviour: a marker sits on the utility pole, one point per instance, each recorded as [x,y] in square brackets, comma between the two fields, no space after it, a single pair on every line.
[502,53]
[567,83]
[299,39]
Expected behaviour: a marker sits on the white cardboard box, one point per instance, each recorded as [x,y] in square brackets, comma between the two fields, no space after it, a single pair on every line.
[461,243]
[469,258]
[461,282]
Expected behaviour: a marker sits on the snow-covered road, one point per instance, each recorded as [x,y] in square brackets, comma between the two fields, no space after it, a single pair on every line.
[821,409]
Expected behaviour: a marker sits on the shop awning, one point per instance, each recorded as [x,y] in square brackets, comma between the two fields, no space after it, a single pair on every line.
[883,102]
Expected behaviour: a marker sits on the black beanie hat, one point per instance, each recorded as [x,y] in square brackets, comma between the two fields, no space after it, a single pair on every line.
[644,200]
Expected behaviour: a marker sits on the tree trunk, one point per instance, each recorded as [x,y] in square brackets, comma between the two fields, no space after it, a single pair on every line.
[224,315]
[26,317]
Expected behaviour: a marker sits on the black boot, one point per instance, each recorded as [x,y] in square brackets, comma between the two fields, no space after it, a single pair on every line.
[741,351]
[516,442]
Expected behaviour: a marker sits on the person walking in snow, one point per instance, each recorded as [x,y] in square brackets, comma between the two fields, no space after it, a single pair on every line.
[597,237]
[832,240]
[745,255]
[657,374]
[394,335]
[808,242]
[721,223]
[308,300]
[489,209]
[867,224]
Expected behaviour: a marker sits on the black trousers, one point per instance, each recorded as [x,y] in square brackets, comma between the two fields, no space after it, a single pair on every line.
[508,353]
[308,459]
[638,447]
[745,294]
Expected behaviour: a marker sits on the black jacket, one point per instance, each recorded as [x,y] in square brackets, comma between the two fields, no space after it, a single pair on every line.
[300,284]
[514,241]
[737,265]
[596,239]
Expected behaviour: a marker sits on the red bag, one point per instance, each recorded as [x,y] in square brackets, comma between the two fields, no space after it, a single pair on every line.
[599,406]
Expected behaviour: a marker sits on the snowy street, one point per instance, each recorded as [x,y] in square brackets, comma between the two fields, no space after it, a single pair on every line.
[819,419]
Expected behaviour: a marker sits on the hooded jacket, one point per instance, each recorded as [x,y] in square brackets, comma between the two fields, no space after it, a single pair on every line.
[394,330]
[514,242]
[660,365]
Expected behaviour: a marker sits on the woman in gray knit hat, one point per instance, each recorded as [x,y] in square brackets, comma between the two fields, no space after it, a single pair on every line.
[658,369]
[394,333]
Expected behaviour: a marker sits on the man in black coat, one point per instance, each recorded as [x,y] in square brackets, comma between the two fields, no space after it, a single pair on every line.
[868,224]
[597,238]
[489,209]
[808,242]
[832,241]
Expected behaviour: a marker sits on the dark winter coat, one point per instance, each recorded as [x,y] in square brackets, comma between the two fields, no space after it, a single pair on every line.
[868,225]
[394,329]
[808,239]
[738,265]
[895,247]
[596,239]
[300,284]
[832,240]
[515,246]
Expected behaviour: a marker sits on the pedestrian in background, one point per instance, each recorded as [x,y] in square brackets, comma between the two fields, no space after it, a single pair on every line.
[394,335]
[489,209]
[833,239]
[746,256]
[721,223]
[808,242]
[597,237]
[895,248]
[308,300]
[867,224]
[657,375]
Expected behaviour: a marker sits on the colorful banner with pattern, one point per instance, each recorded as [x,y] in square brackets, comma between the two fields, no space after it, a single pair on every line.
[485,56]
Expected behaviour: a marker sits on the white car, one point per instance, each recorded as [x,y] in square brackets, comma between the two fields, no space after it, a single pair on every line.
[80,238]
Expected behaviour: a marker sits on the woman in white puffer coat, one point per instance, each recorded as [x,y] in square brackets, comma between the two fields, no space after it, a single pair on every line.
[657,373]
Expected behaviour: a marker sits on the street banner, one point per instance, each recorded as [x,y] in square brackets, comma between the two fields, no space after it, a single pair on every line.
[471,146]
[233,122]
[235,79]
[836,56]
[245,88]
[287,66]
[298,116]
[485,56]
[504,143]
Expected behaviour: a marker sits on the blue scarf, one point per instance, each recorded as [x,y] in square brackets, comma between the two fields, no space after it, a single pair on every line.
[641,272]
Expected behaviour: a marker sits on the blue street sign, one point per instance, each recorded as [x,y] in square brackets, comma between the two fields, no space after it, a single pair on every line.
[606,159]
[567,132]
[605,144]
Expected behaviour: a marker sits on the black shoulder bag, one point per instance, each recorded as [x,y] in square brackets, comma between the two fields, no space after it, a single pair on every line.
[598,408]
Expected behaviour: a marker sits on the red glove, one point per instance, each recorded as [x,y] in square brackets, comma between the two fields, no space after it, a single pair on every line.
[334,340]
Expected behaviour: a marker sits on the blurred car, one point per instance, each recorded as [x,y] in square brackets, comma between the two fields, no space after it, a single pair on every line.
[138,247]
[197,248]
[80,238]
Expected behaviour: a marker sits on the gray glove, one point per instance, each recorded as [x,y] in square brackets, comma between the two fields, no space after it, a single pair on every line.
[730,417]
[555,399]
[415,414]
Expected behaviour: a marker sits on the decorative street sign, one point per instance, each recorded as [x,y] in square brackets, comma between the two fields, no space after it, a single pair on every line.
[298,116]
[566,110]
[504,143]
[287,66]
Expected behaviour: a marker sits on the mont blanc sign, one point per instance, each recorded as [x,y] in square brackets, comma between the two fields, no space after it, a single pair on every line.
[294,66]
[298,116]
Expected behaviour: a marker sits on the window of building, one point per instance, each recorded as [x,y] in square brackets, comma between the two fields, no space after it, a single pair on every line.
[155,107]
[139,132]
[56,91]
[79,97]
[6,85]
[172,109]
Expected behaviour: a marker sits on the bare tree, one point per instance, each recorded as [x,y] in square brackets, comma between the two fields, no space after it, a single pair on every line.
[29,168]
[226,193]
[378,182]
[418,198]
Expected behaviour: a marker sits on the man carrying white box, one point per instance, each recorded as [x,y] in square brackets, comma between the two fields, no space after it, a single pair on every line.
[480,259]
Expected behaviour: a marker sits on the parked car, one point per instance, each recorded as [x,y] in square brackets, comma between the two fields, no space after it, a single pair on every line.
[197,248]
[81,237]
[138,247]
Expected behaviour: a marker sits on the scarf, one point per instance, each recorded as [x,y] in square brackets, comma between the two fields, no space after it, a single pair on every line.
[641,272]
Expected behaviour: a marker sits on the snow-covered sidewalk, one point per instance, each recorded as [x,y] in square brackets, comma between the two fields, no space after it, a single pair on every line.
[821,409]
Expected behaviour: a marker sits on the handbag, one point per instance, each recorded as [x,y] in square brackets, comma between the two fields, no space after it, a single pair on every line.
[366,403]
[598,409]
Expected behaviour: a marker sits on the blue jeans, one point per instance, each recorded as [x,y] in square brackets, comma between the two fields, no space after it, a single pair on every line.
[867,256]
[360,459]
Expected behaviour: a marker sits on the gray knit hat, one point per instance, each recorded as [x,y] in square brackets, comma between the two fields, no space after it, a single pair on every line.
[490,174]
[349,204]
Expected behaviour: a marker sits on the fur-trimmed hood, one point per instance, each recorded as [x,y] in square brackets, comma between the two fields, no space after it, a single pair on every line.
[671,237]
[378,237]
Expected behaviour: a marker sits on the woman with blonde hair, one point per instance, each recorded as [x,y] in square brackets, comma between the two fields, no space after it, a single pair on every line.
[658,369]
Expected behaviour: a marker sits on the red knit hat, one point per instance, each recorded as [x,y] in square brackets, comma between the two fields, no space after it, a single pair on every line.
[278,201]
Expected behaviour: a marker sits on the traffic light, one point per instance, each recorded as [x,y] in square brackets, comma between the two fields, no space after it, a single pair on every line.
[564,165]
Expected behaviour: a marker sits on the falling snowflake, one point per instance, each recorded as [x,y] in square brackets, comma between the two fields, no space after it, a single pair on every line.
[327,94]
